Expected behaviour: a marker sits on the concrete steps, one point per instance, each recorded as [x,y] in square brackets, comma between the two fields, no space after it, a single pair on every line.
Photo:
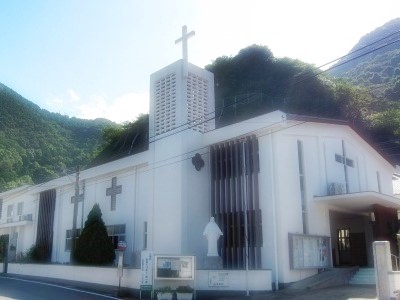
[328,278]
[363,276]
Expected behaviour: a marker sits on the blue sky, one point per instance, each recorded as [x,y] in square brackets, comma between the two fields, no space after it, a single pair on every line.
[93,58]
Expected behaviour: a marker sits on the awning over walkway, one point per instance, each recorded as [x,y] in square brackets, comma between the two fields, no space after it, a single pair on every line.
[359,202]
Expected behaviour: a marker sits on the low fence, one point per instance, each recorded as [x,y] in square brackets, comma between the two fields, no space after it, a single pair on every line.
[209,280]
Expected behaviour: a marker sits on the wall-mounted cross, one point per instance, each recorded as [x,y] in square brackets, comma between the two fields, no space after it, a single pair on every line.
[80,198]
[113,191]
[342,159]
[184,40]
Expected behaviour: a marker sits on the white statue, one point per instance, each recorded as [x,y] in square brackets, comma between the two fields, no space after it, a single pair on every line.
[212,233]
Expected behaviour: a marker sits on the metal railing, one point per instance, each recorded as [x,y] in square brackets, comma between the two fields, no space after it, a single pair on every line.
[395,262]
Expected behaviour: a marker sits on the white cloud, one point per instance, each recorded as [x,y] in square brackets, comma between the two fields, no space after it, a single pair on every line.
[73,95]
[123,108]
[126,107]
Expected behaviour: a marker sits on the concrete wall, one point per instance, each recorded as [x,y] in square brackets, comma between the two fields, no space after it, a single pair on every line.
[259,280]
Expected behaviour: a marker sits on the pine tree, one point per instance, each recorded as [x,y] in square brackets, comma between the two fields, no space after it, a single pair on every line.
[94,247]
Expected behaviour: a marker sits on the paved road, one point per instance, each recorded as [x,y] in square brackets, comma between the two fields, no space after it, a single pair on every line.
[33,288]
[22,289]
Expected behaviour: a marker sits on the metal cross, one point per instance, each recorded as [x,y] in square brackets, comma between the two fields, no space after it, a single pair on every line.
[184,39]
[80,198]
[113,191]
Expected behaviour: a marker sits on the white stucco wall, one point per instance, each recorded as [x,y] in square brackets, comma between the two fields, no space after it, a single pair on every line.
[280,187]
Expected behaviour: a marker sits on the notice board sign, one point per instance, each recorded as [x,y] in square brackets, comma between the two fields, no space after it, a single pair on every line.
[146,266]
[218,279]
[174,267]
[309,251]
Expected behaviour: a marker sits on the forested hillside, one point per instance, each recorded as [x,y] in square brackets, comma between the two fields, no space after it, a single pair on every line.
[36,145]
[374,62]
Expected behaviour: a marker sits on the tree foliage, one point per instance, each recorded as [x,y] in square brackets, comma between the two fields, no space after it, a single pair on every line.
[254,82]
[94,247]
[123,140]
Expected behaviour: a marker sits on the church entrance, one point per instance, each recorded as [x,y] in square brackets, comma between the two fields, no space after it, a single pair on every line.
[352,248]
[351,239]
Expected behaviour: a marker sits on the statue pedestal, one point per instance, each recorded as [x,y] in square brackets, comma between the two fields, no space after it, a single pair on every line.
[213,263]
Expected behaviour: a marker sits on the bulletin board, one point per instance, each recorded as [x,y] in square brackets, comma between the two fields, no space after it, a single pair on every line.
[309,251]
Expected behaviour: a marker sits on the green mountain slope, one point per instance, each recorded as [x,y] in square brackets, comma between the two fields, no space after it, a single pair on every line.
[374,62]
[36,145]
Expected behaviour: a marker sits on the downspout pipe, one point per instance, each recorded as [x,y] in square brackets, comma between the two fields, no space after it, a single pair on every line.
[274,218]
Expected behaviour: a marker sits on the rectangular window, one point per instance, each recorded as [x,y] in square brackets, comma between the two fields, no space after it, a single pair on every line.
[378,179]
[344,239]
[10,212]
[145,236]
[20,208]
[68,238]
[302,185]
[116,233]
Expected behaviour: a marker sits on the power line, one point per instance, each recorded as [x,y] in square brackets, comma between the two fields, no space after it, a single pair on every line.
[359,49]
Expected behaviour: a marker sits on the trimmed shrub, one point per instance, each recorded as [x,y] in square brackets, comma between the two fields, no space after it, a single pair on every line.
[94,247]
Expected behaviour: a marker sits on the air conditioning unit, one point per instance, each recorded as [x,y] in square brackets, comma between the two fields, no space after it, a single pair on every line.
[335,188]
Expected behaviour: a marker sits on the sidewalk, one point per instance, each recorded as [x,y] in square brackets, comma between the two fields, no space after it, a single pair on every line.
[347,292]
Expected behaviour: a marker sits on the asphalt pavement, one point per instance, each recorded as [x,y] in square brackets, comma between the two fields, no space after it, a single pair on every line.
[346,292]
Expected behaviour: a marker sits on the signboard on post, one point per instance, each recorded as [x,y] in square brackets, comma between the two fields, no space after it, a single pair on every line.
[174,267]
[121,245]
[120,270]
[121,249]
[146,266]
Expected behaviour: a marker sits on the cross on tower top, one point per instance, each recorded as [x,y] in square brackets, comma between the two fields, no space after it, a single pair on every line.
[184,39]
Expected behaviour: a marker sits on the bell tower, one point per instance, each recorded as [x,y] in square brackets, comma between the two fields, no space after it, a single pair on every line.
[181,111]
[181,97]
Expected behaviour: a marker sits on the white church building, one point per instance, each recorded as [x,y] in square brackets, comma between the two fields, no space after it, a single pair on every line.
[315,193]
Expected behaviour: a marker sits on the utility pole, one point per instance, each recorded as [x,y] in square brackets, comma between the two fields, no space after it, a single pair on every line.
[76,200]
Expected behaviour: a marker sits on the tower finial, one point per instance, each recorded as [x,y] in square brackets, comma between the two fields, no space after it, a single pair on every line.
[184,40]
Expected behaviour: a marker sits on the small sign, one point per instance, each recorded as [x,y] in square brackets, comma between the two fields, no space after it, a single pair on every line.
[121,245]
[146,258]
[218,279]
[146,287]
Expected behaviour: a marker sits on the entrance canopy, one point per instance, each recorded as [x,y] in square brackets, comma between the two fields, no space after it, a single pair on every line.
[359,202]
